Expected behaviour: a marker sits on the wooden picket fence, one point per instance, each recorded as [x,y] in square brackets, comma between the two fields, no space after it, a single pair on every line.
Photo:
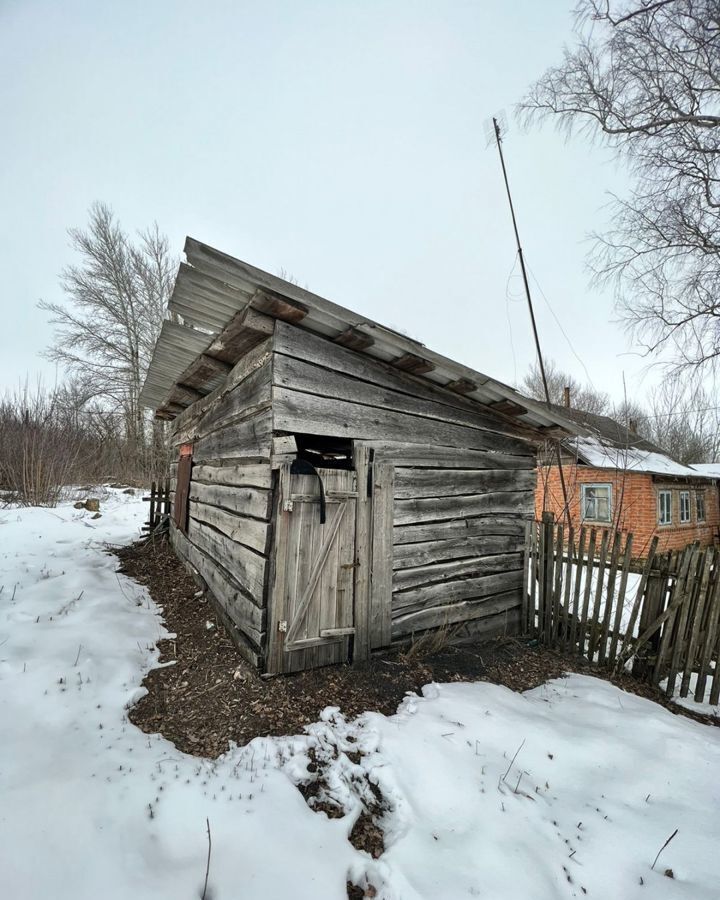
[159,500]
[577,598]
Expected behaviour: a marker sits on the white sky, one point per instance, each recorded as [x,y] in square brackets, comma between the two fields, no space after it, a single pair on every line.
[342,141]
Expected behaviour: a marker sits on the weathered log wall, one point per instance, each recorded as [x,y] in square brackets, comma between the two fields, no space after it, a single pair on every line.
[464,479]
[227,539]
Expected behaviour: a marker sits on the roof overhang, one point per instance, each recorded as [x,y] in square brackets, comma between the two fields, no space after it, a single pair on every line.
[216,313]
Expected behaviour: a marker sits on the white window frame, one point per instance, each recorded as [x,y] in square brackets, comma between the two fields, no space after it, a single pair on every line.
[700,503]
[684,520]
[662,494]
[583,501]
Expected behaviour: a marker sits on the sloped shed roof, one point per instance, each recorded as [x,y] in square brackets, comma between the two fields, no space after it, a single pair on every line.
[214,295]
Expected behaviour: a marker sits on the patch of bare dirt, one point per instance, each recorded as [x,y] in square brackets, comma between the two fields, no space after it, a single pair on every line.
[210,696]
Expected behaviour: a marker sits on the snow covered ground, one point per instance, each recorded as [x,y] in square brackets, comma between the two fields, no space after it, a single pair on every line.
[569,790]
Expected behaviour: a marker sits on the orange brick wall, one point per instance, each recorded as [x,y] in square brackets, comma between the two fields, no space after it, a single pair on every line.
[635,495]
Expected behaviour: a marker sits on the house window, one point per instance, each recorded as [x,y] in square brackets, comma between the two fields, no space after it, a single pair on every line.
[700,505]
[684,506]
[597,502]
[664,507]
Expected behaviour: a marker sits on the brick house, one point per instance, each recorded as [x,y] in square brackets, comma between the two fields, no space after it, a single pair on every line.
[616,479]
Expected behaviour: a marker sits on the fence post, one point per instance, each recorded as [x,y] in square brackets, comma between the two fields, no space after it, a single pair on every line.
[151,518]
[545,624]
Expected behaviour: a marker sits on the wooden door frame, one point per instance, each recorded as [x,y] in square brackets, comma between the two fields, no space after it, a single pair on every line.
[373,558]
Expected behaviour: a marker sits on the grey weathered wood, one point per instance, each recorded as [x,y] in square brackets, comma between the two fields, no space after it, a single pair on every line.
[354,339]
[459,528]
[247,567]
[587,589]
[557,587]
[533,577]
[689,590]
[404,579]
[244,530]
[599,590]
[308,378]
[255,359]
[450,614]
[581,563]
[382,554]
[440,508]
[404,453]
[250,395]
[629,646]
[246,615]
[249,439]
[709,643]
[411,362]
[527,564]
[245,330]
[313,348]
[277,593]
[569,563]
[423,553]
[251,475]
[363,556]
[454,591]
[620,605]
[667,618]
[604,625]
[418,483]
[246,501]
[696,622]
[330,319]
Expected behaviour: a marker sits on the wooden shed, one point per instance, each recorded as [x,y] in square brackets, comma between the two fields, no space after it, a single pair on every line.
[338,486]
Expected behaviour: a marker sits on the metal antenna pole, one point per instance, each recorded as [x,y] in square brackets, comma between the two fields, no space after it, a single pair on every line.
[541,364]
[498,140]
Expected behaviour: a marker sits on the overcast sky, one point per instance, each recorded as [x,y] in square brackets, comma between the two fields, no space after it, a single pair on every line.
[341,141]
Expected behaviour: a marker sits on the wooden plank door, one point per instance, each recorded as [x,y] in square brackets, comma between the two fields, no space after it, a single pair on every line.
[311,616]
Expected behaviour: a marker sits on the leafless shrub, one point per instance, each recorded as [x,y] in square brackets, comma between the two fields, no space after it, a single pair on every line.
[430,642]
[50,439]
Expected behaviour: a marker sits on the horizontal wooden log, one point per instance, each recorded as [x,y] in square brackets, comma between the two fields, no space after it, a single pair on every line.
[245,614]
[248,439]
[299,412]
[257,475]
[440,572]
[411,362]
[354,339]
[424,553]
[404,453]
[455,613]
[246,566]
[278,307]
[251,532]
[305,376]
[435,509]
[253,393]
[453,482]
[182,428]
[246,501]
[458,528]
[246,330]
[312,348]
[429,595]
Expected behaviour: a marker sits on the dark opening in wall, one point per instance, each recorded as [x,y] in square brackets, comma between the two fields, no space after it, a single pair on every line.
[325,452]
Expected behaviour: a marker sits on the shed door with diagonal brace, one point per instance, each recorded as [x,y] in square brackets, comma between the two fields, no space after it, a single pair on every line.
[312,618]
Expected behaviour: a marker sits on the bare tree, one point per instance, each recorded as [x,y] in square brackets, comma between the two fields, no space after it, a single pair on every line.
[685,422]
[581,396]
[645,78]
[117,297]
